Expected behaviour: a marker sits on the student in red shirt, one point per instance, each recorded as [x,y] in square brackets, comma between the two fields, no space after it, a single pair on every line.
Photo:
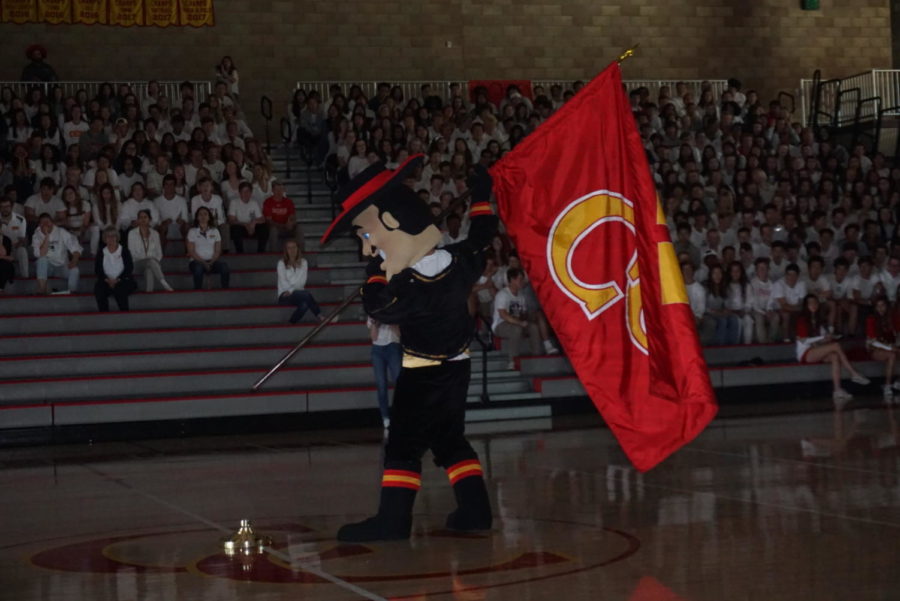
[881,338]
[281,216]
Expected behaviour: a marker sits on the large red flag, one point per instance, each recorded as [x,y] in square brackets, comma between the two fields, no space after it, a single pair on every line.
[580,205]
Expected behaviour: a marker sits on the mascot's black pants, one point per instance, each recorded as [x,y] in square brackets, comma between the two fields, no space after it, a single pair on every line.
[429,412]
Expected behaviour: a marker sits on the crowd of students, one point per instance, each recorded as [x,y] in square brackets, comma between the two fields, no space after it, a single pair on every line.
[762,210]
[75,169]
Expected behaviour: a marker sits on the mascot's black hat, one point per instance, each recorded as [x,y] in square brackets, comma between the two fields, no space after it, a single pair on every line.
[384,188]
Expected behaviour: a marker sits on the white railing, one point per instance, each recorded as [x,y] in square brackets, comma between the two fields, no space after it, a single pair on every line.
[881,83]
[170,89]
[412,89]
[694,86]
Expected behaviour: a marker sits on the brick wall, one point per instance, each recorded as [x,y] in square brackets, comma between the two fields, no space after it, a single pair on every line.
[770,44]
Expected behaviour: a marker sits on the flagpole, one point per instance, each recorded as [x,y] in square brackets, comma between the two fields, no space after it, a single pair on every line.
[345,303]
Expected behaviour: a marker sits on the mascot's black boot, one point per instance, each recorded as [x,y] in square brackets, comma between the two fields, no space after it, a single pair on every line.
[473,512]
[394,518]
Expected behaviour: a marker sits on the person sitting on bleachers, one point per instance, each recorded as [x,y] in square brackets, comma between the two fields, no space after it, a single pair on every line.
[45,201]
[12,225]
[281,217]
[846,310]
[292,274]
[57,253]
[788,294]
[881,342]
[204,248]
[7,258]
[174,217]
[206,198]
[512,321]
[738,300]
[246,219]
[815,345]
[146,251]
[720,326]
[137,202]
[766,318]
[113,267]
[867,286]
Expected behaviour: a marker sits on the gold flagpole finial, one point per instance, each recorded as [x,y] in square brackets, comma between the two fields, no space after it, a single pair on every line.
[627,54]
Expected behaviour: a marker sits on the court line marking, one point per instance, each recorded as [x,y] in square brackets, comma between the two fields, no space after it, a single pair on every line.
[357,590]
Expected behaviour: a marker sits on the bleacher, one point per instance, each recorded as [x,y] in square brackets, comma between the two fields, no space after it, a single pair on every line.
[195,354]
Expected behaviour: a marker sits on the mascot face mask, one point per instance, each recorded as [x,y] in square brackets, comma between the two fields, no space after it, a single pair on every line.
[388,217]
[381,233]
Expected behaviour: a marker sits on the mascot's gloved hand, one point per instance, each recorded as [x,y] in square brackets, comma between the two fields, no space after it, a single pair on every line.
[374,267]
[481,184]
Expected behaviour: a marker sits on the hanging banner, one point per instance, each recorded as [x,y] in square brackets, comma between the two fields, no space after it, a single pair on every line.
[89,12]
[197,13]
[54,11]
[18,11]
[126,12]
[161,13]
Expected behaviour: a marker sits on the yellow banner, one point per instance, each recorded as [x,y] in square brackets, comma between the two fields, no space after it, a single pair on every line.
[161,13]
[89,12]
[197,13]
[126,12]
[55,11]
[18,11]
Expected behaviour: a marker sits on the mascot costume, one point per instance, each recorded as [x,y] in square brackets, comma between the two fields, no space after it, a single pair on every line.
[424,290]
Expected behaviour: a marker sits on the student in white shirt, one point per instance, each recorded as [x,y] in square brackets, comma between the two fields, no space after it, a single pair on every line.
[867,285]
[890,278]
[696,292]
[738,300]
[846,311]
[45,201]
[820,284]
[511,320]
[128,215]
[246,220]
[13,226]
[766,320]
[146,251]
[113,267]
[292,272]
[74,127]
[204,247]
[172,208]
[788,294]
[213,202]
[57,253]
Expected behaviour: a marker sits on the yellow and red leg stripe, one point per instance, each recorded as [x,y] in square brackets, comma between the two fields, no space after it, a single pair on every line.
[401,479]
[464,469]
